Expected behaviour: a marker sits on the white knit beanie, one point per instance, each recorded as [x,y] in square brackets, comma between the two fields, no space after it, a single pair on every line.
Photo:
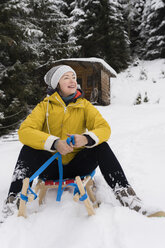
[53,76]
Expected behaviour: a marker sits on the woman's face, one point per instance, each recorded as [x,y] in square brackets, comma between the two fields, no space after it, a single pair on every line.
[67,84]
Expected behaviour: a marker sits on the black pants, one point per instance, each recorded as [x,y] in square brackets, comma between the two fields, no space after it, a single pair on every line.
[84,163]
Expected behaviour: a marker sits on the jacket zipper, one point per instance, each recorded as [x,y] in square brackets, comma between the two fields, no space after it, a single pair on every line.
[65,108]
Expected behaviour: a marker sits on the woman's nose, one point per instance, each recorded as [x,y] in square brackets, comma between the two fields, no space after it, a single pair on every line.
[73,79]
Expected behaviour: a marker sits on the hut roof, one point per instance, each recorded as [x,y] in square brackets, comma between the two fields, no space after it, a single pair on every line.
[90,61]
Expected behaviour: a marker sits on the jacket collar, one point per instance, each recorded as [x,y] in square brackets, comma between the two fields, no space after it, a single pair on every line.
[56,98]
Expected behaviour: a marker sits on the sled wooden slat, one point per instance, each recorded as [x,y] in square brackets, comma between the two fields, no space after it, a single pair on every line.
[22,206]
[87,202]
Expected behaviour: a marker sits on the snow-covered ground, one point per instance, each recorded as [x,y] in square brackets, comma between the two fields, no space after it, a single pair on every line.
[138,140]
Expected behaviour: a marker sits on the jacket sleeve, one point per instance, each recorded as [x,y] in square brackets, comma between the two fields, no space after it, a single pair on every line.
[97,127]
[31,130]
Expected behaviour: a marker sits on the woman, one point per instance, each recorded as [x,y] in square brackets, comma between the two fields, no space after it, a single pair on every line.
[46,129]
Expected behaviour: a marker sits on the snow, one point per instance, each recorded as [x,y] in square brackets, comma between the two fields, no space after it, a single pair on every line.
[148,76]
[94,60]
[138,140]
[77,12]
[34,32]
[158,4]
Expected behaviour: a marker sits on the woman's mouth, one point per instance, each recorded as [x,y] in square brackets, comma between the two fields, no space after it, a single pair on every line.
[71,87]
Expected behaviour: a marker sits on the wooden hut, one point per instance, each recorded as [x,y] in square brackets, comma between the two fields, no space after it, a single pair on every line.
[93,75]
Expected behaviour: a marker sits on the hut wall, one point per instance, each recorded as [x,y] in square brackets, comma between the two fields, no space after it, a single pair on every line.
[105,88]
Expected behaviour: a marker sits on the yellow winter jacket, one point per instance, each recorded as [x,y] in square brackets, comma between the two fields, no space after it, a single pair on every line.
[51,119]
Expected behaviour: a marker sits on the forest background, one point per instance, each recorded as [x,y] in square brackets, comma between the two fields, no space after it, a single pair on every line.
[35,33]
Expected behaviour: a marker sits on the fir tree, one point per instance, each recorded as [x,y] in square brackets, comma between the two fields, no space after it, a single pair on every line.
[153,30]
[146,99]
[99,29]
[138,99]
[33,34]
[13,53]
[132,11]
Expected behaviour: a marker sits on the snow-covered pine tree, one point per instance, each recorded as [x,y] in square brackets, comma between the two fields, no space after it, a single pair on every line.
[68,9]
[119,35]
[153,29]
[132,11]
[53,26]
[13,54]
[138,99]
[99,31]
[33,33]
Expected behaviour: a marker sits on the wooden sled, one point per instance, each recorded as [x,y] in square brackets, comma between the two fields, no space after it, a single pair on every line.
[42,187]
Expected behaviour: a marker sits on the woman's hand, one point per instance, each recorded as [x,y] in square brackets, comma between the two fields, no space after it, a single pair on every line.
[80,140]
[63,148]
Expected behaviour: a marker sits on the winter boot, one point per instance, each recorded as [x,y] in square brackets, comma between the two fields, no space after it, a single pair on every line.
[128,198]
